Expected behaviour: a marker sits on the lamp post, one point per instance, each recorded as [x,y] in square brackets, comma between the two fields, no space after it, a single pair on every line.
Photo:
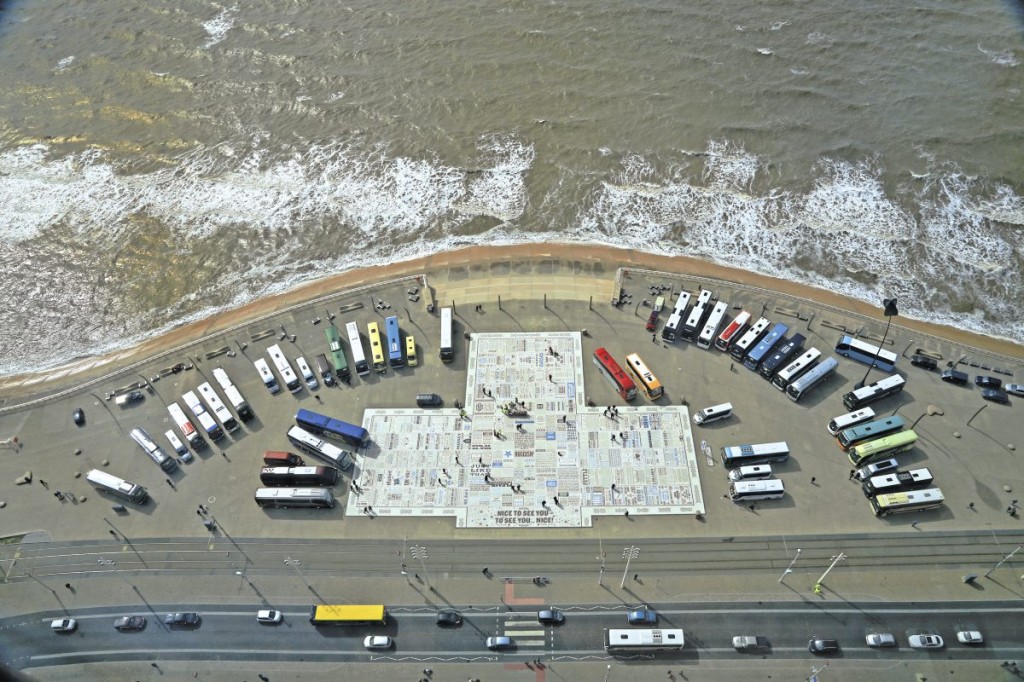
[835,560]
[420,552]
[889,311]
[295,563]
[628,554]
[1004,560]
[41,583]
[789,569]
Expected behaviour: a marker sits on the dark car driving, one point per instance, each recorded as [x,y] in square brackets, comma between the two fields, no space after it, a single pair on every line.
[449,618]
[188,619]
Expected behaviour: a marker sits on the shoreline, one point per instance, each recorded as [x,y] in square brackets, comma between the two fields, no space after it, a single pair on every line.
[20,385]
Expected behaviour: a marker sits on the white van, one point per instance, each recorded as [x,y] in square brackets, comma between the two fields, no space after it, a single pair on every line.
[306,372]
[751,472]
[744,491]
[178,446]
[713,413]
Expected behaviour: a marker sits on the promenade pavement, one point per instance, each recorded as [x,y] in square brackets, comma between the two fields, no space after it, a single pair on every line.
[971,454]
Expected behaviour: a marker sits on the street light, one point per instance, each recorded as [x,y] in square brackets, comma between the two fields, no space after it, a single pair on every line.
[835,560]
[420,552]
[1004,560]
[295,563]
[628,554]
[889,311]
[789,569]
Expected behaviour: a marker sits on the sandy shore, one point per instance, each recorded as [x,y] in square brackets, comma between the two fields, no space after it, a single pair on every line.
[612,257]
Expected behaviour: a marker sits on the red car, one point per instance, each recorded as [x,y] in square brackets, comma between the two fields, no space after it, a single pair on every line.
[652,321]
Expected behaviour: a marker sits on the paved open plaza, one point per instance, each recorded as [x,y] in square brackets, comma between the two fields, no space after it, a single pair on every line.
[525,450]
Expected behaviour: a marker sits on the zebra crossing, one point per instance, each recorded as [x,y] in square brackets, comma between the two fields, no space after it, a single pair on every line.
[524,630]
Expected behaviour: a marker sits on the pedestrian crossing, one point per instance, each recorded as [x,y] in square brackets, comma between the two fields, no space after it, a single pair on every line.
[525,631]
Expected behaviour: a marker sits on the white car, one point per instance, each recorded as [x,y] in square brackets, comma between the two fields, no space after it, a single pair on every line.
[880,639]
[377,642]
[1015,389]
[64,625]
[923,641]
[269,616]
[745,642]
[969,637]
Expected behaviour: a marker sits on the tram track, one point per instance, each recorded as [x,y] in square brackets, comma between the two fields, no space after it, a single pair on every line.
[516,558]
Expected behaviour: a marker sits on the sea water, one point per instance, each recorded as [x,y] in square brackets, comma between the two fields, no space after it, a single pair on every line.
[161,161]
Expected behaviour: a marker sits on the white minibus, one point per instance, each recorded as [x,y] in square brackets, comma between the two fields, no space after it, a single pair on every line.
[713,413]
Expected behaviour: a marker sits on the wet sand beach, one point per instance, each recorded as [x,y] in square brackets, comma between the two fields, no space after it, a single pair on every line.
[22,386]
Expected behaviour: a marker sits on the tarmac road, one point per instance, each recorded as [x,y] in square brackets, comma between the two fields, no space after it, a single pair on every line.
[230,632]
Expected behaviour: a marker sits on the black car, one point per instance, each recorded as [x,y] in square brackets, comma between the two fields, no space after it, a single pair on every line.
[189,619]
[823,646]
[449,619]
[923,361]
[987,382]
[953,376]
[130,623]
[78,416]
[995,395]
[428,400]
[551,617]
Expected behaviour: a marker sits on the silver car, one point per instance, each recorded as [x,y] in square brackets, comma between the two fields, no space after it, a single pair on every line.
[880,639]
[497,643]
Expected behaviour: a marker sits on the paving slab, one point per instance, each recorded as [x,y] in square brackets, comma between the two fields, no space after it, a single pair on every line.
[525,450]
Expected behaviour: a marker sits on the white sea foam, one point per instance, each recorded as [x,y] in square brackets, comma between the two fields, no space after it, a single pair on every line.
[844,233]
[218,27]
[1005,58]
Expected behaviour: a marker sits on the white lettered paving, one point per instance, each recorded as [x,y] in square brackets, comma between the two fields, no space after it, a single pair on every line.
[526,450]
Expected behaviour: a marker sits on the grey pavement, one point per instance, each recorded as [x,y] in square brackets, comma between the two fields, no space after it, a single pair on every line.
[973,463]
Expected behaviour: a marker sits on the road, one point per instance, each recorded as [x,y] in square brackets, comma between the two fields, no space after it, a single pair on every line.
[230,632]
